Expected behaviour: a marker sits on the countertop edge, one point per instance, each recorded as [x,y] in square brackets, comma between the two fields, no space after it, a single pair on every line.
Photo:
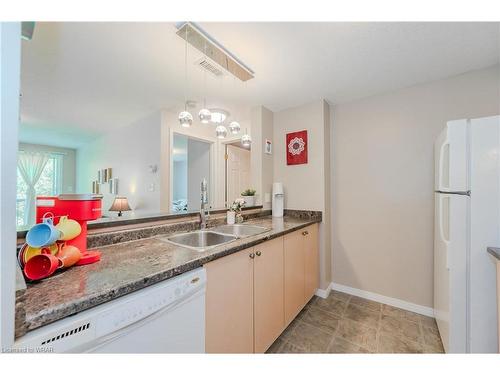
[495,251]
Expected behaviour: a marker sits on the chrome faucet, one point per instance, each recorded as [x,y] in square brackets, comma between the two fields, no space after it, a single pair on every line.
[204,202]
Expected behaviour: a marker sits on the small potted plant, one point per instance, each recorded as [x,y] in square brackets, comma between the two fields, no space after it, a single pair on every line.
[249,197]
[235,210]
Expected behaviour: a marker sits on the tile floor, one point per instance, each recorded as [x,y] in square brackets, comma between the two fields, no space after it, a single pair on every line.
[343,323]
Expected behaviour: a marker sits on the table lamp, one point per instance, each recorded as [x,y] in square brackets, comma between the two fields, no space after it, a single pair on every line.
[120,204]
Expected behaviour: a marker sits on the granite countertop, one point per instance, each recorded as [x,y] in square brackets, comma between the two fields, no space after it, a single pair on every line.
[495,251]
[129,266]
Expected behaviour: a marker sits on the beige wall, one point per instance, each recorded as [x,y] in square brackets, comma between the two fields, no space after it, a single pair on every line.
[307,185]
[382,187]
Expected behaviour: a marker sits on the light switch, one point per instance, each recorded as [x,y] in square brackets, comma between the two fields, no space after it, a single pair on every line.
[151,187]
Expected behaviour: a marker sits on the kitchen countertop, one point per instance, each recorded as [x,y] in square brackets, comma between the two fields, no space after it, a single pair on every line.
[495,251]
[129,266]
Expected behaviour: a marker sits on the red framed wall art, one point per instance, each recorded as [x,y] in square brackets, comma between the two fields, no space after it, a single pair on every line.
[296,148]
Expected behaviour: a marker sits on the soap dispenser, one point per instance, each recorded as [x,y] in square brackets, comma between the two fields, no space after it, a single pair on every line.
[278,199]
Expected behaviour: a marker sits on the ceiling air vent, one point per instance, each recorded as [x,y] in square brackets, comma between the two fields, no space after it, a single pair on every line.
[209,66]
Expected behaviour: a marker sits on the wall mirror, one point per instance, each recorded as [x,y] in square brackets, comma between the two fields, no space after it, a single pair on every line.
[86,127]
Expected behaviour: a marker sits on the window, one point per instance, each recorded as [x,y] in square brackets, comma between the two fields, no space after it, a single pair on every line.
[50,183]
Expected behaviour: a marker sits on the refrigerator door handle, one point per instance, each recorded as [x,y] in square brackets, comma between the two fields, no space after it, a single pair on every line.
[442,235]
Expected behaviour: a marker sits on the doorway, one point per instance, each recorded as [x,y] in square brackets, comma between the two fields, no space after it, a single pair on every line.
[237,171]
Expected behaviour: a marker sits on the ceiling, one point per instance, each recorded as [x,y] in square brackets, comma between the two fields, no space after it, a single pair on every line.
[84,79]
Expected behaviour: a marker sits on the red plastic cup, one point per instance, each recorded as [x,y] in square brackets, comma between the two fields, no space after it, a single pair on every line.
[41,266]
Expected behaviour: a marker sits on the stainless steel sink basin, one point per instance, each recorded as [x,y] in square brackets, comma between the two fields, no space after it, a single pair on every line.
[201,240]
[240,230]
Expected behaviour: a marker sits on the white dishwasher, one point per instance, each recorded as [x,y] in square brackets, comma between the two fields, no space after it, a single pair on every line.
[168,317]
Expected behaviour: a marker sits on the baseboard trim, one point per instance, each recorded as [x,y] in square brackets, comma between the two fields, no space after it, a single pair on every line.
[419,309]
[324,293]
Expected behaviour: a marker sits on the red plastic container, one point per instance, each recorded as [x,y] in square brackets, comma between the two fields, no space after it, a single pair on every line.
[41,266]
[79,207]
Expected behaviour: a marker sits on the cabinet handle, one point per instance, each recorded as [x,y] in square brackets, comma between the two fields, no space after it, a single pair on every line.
[258,253]
[305,233]
[252,255]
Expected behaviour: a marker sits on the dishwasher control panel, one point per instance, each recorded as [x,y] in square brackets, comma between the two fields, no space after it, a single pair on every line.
[133,308]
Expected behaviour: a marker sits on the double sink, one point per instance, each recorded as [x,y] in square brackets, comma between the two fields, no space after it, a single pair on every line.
[203,240]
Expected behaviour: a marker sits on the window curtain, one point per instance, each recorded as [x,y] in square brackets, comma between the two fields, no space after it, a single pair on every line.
[30,166]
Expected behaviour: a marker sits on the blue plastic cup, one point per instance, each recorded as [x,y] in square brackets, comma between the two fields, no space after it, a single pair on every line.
[43,234]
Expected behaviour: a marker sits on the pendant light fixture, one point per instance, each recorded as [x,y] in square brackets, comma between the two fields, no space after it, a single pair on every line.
[234,127]
[246,140]
[185,118]
[221,132]
[204,115]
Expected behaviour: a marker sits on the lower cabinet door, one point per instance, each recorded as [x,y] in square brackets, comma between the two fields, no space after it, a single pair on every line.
[269,316]
[229,304]
[294,274]
[311,249]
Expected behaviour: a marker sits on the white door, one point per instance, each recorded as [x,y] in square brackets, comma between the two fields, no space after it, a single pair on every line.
[238,172]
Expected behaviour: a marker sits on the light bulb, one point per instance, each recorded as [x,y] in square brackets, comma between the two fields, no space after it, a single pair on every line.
[185,119]
[220,132]
[246,141]
[234,127]
[205,115]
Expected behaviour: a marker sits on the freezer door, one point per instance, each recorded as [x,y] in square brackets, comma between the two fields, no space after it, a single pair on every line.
[451,157]
[450,272]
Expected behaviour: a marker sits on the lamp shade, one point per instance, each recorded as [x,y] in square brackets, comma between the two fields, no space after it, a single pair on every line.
[120,204]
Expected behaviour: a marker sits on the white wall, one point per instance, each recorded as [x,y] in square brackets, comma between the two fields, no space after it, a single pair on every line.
[307,185]
[129,151]
[383,175]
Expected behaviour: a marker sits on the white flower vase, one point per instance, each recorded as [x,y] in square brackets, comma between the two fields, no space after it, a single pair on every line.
[249,200]
[231,217]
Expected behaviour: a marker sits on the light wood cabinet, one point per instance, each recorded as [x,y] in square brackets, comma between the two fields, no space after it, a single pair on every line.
[311,261]
[252,295]
[269,318]
[229,304]
[294,274]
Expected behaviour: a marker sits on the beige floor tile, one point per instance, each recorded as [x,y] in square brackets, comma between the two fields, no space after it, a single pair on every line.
[411,330]
[390,324]
[358,334]
[321,319]
[395,344]
[341,346]
[365,303]
[275,347]
[432,340]
[362,315]
[330,304]
[428,322]
[411,316]
[288,348]
[392,311]
[309,338]
[340,296]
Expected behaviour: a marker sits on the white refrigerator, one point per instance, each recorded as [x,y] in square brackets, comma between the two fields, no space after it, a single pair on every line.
[467,221]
